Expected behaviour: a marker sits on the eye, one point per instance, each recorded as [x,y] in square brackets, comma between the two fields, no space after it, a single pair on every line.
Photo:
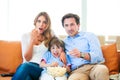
[52,48]
[66,25]
[38,21]
[45,22]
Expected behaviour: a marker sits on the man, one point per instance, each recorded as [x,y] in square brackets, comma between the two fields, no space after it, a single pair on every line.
[84,51]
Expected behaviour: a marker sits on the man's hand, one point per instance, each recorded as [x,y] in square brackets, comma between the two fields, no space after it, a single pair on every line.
[75,52]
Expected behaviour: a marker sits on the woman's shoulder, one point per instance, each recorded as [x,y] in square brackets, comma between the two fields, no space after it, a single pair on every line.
[26,35]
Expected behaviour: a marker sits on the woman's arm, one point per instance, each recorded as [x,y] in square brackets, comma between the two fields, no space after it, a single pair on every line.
[28,41]
[29,52]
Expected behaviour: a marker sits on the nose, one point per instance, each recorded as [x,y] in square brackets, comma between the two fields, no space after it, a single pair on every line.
[69,27]
[55,50]
[41,23]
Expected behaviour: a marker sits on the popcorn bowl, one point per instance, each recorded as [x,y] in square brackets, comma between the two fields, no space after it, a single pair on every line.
[56,71]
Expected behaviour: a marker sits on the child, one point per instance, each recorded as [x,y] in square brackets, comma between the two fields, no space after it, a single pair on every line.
[52,59]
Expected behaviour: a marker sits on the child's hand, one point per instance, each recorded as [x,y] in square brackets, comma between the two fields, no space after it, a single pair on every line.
[54,64]
[67,67]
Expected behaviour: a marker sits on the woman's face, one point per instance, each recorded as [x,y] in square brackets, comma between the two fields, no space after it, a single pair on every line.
[56,50]
[41,24]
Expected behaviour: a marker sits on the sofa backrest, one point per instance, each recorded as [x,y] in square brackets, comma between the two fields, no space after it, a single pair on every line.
[11,56]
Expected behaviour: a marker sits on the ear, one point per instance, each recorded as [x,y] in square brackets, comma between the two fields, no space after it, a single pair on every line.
[78,27]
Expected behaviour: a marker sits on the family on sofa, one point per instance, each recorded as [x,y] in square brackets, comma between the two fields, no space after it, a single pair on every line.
[82,48]
[83,57]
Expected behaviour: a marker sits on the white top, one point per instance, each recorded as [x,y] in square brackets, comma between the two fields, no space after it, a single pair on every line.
[38,50]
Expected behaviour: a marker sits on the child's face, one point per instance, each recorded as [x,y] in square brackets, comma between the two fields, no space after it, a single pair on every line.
[56,50]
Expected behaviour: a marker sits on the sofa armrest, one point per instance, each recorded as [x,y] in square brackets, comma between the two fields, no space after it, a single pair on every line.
[10,56]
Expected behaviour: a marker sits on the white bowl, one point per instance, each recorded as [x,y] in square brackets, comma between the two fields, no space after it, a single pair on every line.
[56,71]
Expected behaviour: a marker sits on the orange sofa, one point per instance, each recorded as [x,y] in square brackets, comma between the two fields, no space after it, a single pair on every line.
[11,57]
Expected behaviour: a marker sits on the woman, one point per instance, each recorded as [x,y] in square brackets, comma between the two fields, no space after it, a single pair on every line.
[34,45]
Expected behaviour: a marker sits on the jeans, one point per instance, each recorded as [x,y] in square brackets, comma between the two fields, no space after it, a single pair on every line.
[27,71]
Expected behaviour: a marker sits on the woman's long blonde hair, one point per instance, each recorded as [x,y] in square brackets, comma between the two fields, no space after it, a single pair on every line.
[47,33]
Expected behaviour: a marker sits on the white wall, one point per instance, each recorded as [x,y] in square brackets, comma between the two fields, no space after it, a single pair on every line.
[103,17]
[99,16]
[19,15]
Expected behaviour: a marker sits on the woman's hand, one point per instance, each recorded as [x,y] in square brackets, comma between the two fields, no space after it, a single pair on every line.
[35,37]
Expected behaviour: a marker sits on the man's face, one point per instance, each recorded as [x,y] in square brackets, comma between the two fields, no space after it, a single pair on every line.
[71,26]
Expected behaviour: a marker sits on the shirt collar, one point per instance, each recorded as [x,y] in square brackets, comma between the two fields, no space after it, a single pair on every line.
[77,35]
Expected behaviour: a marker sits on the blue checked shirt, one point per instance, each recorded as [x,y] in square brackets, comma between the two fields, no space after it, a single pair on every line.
[84,42]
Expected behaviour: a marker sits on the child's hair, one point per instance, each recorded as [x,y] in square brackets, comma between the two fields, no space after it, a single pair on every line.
[56,41]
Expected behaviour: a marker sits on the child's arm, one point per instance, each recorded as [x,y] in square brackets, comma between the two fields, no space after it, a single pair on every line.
[68,64]
[63,57]
[44,64]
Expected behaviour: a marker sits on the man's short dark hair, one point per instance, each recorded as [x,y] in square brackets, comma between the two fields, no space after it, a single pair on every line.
[71,15]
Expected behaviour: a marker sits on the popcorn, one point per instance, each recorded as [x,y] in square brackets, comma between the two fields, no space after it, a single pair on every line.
[56,71]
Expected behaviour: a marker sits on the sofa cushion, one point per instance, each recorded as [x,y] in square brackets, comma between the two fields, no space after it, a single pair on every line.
[5,78]
[119,60]
[111,58]
[10,56]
